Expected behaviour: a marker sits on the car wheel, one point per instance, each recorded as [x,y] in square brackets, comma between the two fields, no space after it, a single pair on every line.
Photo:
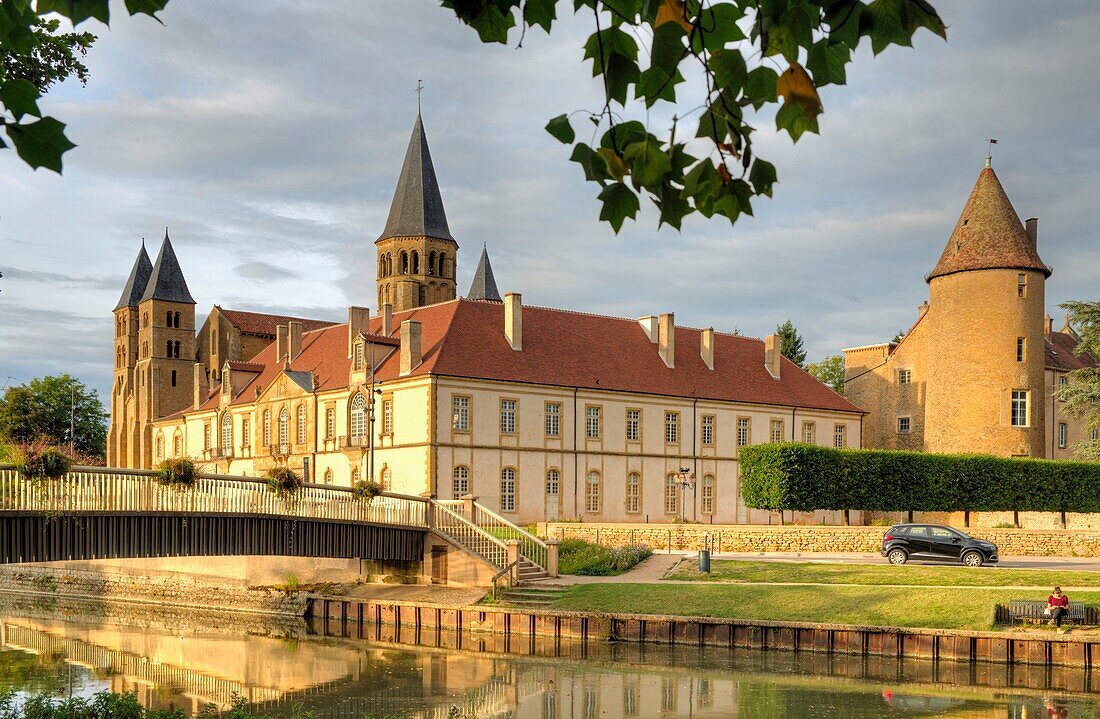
[897,556]
[973,559]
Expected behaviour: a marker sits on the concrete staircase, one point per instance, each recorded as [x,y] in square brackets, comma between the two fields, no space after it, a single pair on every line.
[541,597]
[528,571]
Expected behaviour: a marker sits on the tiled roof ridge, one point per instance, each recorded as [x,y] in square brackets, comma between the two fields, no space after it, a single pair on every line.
[597,315]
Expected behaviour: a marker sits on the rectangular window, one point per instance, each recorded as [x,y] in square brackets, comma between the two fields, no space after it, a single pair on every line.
[1063,384]
[1020,414]
[707,496]
[1021,349]
[246,434]
[206,435]
[777,434]
[592,416]
[1062,432]
[592,493]
[508,416]
[330,423]
[903,425]
[553,419]
[387,416]
[905,376]
[744,425]
[707,432]
[672,427]
[840,436]
[633,425]
[672,494]
[460,411]
[633,493]
[1021,285]
[508,490]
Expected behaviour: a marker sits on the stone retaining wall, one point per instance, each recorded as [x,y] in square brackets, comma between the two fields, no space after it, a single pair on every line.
[760,538]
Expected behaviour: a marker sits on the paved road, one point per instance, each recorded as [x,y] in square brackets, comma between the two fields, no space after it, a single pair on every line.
[1065,563]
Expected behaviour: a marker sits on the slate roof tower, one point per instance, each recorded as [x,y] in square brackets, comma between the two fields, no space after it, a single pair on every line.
[484,286]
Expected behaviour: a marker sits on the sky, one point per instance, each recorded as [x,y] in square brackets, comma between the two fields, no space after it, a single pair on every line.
[268,137]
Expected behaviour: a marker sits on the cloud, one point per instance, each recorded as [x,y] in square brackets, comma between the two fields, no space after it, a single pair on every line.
[261,271]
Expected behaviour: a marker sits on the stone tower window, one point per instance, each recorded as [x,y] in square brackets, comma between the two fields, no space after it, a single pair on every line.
[431,263]
[1021,285]
[168,320]
[1020,408]
[404,261]
[415,262]
[173,378]
[442,264]
[1021,349]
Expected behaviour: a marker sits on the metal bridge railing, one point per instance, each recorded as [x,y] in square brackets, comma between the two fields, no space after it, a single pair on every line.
[99,489]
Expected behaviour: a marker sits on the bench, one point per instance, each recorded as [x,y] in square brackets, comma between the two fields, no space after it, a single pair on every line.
[1034,612]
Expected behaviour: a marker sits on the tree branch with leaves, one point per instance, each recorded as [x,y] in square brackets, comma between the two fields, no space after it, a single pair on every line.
[750,55]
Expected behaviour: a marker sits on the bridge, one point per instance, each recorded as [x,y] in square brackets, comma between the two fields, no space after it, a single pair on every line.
[108,513]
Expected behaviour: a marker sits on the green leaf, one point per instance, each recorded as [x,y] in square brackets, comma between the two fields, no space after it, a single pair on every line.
[40,143]
[621,73]
[614,55]
[623,9]
[492,23]
[916,14]
[625,133]
[619,203]
[16,34]
[762,177]
[145,7]
[718,27]
[540,12]
[793,118]
[883,21]
[560,128]
[20,97]
[648,163]
[760,86]
[729,69]
[703,180]
[653,85]
[77,10]
[826,61]
[595,169]
[673,207]
[668,47]
[843,19]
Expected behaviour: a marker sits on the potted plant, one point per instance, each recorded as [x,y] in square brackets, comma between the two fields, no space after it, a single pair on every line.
[366,490]
[177,472]
[284,482]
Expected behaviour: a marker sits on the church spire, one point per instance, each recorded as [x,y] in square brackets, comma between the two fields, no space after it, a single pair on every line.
[484,286]
[166,280]
[417,207]
[138,280]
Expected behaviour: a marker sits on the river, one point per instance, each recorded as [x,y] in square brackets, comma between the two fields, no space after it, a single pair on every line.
[280,666]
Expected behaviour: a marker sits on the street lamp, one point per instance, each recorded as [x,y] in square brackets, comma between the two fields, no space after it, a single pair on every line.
[685,478]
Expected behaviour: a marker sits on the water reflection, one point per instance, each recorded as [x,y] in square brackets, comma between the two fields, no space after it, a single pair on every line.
[190,659]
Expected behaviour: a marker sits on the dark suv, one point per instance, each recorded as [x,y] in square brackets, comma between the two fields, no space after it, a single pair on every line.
[934,542]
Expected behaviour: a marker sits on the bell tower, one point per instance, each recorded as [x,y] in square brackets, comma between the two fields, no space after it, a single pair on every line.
[126,356]
[417,255]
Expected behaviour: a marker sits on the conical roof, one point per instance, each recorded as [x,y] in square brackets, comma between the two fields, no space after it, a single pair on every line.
[138,280]
[166,281]
[484,286]
[988,235]
[417,207]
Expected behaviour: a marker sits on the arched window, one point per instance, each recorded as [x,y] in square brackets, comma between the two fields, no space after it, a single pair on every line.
[553,482]
[301,424]
[358,418]
[593,492]
[387,478]
[176,320]
[507,490]
[354,476]
[160,446]
[416,263]
[168,349]
[672,494]
[177,444]
[634,492]
[389,264]
[707,500]
[176,352]
[267,428]
[404,262]
[284,428]
[460,483]
[442,264]
[431,263]
[168,320]
[328,476]
[173,378]
[227,431]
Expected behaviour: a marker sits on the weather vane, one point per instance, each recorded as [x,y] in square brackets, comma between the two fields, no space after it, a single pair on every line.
[989,152]
[419,92]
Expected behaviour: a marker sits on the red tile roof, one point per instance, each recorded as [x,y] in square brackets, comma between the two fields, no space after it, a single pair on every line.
[463,338]
[239,366]
[263,325]
[1060,353]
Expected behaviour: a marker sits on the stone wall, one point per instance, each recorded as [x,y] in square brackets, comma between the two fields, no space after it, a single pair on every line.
[758,538]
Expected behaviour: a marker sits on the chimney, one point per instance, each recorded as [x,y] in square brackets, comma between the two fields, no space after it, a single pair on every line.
[706,347]
[772,355]
[201,390]
[666,338]
[387,319]
[1032,225]
[294,339]
[410,346]
[1050,325]
[922,309]
[649,326]
[513,319]
[358,323]
[280,343]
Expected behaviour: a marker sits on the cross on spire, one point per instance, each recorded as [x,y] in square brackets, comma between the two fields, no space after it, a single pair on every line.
[419,93]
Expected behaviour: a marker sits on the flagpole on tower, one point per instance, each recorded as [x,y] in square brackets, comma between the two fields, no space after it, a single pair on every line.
[989,152]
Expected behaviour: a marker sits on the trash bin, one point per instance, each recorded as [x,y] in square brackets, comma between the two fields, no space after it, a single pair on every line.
[704,561]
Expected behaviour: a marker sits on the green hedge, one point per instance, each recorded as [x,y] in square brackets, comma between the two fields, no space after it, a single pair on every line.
[805,477]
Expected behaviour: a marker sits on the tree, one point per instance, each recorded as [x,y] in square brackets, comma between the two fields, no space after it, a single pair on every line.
[33,57]
[899,336]
[731,49]
[44,408]
[1082,393]
[790,343]
[829,371]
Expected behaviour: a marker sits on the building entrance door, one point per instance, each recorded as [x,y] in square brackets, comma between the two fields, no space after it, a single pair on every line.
[439,565]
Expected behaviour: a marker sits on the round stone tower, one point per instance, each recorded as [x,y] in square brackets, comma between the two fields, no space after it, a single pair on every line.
[987,343]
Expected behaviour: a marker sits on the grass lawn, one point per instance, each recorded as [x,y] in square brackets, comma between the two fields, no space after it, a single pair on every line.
[874,606]
[872,574]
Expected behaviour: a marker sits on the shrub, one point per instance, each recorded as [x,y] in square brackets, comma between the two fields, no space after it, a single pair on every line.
[805,477]
[283,481]
[366,490]
[576,556]
[39,462]
[179,473]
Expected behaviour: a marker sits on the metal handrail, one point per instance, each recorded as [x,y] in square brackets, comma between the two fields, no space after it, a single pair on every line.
[468,535]
[506,570]
[530,547]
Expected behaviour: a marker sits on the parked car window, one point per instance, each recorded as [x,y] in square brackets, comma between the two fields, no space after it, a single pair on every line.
[898,531]
[941,533]
[918,532]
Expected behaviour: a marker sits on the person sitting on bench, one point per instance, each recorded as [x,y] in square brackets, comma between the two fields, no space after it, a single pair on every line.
[1057,607]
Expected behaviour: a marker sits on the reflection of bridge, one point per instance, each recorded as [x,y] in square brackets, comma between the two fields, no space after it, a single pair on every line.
[95,513]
